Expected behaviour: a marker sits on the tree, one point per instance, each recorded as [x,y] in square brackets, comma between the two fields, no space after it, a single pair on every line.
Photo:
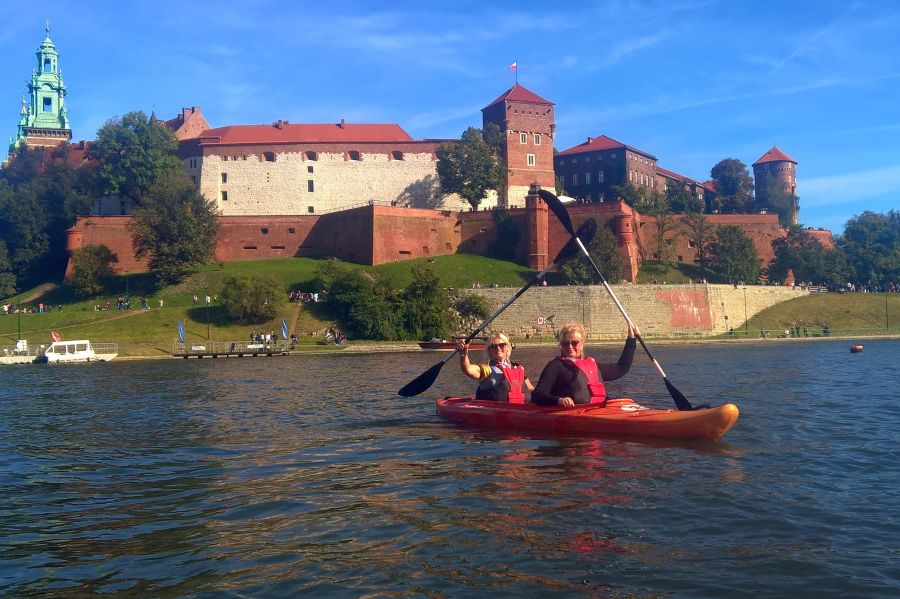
[657,206]
[133,152]
[681,199]
[702,234]
[92,266]
[734,185]
[508,235]
[631,194]
[469,167]
[801,253]
[871,242]
[734,256]
[426,305]
[252,298]
[364,305]
[7,276]
[175,227]
[604,249]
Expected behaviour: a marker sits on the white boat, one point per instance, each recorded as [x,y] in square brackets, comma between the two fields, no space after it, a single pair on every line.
[80,350]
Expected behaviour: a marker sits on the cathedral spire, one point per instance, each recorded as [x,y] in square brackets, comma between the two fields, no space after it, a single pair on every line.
[45,122]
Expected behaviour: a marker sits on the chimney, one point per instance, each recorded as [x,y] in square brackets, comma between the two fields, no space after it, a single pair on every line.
[341,124]
[590,139]
[279,124]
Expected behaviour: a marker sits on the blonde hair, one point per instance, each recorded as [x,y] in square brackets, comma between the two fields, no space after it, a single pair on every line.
[573,328]
[502,337]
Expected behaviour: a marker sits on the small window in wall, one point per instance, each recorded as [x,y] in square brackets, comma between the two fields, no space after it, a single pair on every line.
[681,258]
[312,155]
[291,230]
[224,196]
[277,247]
[425,250]
[405,253]
[264,230]
[537,139]
[600,177]
[587,178]
[269,156]
[311,209]
[310,186]
[529,159]
[483,230]
[224,177]
[310,169]
[523,138]
[47,65]
[396,155]
[249,247]
[575,179]
[353,155]
[194,179]
[448,246]
[691,244]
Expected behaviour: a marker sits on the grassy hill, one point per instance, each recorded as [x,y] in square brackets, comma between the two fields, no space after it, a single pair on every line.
[153,331]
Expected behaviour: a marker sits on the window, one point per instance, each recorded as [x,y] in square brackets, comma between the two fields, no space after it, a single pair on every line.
[309,169]
[48,105]
[310,187]
[575,179]
[310,209]
[194,179]
[47,65]
[562,161]
[523,138]
[224,177]
[587,158]
[396,155]
[291,230]
[587,178]
[537,139]
[529,158]
[613,155]
[600,177]
[224,196]
[269,156]
[312,156]
[353,155]
[691,243]
[277,247]
[264,230]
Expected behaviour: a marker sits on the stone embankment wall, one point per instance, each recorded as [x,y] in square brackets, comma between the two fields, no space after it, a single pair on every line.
[659,310]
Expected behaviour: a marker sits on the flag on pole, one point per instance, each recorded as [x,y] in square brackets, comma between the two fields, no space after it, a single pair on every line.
[55,336]
[513,66]
[284,329]
[180,331]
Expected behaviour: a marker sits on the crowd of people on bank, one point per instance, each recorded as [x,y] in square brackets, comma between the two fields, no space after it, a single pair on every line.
[39,308]
[302,296]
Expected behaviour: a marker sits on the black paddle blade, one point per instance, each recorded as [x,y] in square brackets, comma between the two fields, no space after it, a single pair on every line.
[585,233]
[558,209]
[422,382]
[681,402]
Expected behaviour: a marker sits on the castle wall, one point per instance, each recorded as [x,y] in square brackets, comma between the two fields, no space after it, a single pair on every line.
[265,179]
[659,310]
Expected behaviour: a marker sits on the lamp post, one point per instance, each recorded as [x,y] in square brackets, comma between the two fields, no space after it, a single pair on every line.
[746,323]
[886,321]
[206,299]
[19,319]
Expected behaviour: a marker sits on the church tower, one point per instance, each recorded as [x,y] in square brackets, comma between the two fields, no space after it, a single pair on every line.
[526,121]
[776,172]
[45,121]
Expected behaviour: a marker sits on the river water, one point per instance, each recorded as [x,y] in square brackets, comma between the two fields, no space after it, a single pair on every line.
[307,475]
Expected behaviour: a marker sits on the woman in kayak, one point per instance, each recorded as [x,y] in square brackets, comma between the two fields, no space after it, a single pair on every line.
[573,378]
[498,378]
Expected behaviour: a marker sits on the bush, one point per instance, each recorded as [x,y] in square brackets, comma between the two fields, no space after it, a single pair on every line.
[92,266]
[251,298]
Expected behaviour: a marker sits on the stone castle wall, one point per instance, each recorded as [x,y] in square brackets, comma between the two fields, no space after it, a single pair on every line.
[658,310]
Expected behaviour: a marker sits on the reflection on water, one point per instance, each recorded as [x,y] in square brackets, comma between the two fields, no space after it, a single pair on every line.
[274,477]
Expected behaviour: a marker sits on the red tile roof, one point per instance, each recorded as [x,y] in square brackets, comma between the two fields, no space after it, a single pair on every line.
[284,133]
[517,93]
[602,142]
[709,185]
[774,155]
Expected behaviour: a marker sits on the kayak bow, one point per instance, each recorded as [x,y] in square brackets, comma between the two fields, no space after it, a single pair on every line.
[617,417]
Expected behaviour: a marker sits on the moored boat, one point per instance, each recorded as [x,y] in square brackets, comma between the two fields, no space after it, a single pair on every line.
[617,417]
[477,344]
[80,350]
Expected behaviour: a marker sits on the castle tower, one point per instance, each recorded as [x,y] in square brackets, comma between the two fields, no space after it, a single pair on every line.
[526,121]
[45,121]
[776,172]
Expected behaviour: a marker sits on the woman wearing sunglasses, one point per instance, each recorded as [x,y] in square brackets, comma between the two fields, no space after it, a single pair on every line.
[574,378]
[498,378]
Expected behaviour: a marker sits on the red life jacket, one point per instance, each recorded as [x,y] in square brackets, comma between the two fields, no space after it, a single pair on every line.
[595,384]
[515,376]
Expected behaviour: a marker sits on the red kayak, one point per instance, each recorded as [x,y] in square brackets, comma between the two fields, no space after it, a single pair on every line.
[616,417]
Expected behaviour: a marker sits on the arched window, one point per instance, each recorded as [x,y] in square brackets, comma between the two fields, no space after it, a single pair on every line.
[396,155]
[312,155]
[48,65]
[353,155]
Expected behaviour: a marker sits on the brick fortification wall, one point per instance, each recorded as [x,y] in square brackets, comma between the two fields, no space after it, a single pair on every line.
[659,310]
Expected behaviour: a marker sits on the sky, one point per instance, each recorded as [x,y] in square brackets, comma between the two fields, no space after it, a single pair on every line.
[690,81]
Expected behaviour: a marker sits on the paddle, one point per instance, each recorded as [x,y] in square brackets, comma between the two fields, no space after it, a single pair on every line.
[427,378]
[562,214]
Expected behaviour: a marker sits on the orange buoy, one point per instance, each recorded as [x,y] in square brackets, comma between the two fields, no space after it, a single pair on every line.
[856,349]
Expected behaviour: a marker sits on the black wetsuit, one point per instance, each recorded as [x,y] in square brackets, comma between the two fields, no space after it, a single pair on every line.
[562,378]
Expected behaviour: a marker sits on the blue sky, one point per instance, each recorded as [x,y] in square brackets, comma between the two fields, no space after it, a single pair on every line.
[689,81]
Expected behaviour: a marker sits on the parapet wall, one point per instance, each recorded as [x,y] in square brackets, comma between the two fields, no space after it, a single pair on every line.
[659,310]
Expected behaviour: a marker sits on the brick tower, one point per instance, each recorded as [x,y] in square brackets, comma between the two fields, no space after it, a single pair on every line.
[526,120]
[776,172]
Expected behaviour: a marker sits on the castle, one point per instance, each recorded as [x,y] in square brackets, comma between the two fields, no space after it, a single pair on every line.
[369,193]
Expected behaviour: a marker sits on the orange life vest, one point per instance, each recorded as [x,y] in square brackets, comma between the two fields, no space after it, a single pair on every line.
[595,384]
